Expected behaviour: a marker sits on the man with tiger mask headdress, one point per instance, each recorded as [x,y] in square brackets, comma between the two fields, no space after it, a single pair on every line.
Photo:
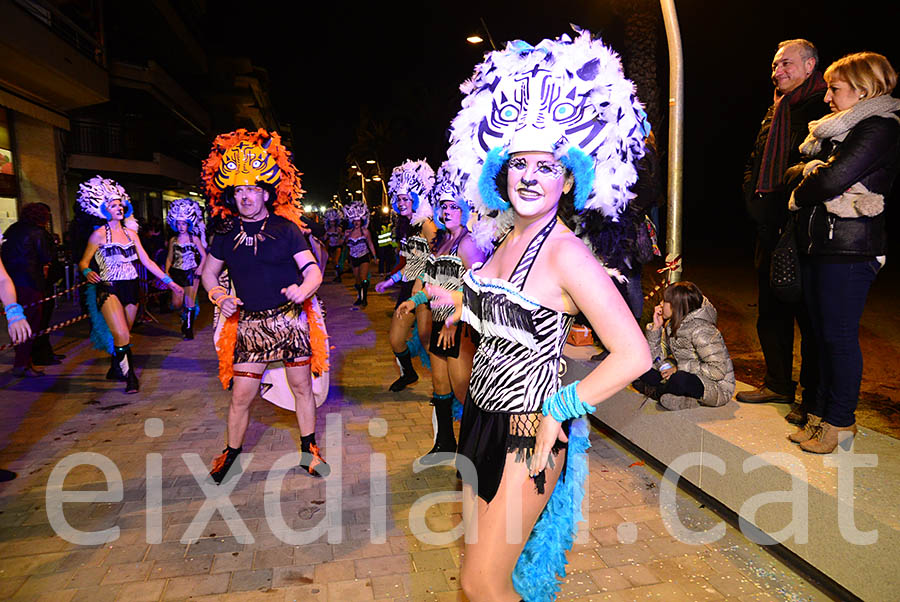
[269,314]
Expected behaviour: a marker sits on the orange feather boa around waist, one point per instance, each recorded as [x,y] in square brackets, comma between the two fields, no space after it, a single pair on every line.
[318,342]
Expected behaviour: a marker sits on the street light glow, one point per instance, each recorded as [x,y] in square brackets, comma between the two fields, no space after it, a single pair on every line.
[370,161]
[475,39]
[384,209]
[359,173]
[376,178]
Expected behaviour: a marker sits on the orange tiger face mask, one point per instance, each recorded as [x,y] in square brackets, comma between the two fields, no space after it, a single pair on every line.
[247,164]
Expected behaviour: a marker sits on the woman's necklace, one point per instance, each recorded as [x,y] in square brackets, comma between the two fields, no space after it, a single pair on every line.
[251,240]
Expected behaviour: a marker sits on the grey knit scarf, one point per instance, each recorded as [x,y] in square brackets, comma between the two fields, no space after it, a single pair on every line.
[836,126]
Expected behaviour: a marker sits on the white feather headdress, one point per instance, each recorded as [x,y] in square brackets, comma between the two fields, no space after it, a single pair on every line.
[565,96]
[186,210]
[96,192]
[415,178]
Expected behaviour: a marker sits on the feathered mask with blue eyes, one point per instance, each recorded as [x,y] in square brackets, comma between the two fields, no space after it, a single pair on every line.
[414,178]
[448,186]
[565,96]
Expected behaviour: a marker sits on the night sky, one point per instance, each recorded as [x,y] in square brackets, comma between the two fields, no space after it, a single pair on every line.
[328,61]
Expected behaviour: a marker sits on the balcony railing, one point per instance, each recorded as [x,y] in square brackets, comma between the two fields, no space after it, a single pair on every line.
[65,28]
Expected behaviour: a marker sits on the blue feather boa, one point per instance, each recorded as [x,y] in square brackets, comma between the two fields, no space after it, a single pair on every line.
[416,349]
[582,168]
[487,181]
[457,409]
[543,561]
[101,337]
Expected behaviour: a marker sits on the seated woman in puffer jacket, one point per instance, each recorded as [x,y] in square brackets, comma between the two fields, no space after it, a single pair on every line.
[841,232]
[691,366]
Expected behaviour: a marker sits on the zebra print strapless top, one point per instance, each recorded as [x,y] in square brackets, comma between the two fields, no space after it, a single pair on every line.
[357,246]
[517,363]
[416,250]
[446,271]
[183,256]
[115,259]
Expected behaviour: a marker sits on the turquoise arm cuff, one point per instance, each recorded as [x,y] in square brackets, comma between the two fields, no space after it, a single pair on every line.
[565,404]
[419,298]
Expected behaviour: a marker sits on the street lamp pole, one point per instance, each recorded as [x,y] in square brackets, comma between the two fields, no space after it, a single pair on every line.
[676,140]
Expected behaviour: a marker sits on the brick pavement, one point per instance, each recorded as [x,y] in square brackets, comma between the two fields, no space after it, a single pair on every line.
[625,553]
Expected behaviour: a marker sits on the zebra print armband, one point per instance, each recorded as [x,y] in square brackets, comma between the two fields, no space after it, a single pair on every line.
[565,404]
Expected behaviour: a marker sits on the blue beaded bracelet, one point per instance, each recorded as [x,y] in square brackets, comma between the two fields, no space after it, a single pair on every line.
[397,277]
[86,271]
[167,280]
[565,404]
[419,298]
[14,312]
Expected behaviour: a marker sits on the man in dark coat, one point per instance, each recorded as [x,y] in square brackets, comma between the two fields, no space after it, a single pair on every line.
[27,253]
[799,99]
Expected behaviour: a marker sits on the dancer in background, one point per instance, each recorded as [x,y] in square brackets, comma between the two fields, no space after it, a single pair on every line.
[114,250]
[451,347]
[360,249]
[187,251]
[334,238]
[533,156]
[409,187]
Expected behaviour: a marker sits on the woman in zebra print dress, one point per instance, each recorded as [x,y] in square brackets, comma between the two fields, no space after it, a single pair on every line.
[451,348]
[114,251]
[409,187]
[544,131]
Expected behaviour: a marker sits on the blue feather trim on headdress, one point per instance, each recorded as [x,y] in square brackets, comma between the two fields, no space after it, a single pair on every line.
[101,337]
[487,181]
[543,561]
[582,168]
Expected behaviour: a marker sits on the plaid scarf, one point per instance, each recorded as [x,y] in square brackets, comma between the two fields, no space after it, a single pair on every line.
[776,152]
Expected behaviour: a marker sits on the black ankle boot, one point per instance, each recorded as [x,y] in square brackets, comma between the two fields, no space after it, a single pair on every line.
[223,462]
[407,374]
[124,359]
[184,321]
[312,462]
[358,288]
[114,372]
[445,441]
[188,328]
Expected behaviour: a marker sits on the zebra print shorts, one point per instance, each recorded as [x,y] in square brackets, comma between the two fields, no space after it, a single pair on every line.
[271,335]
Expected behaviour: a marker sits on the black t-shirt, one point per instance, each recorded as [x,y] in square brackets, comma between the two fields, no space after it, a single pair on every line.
[258,279]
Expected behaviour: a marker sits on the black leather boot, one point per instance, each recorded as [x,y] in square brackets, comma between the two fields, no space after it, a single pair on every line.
[407,374]
[188,329]
[124,359]
[445,441]
[358,288]
[365,294]
[114,372]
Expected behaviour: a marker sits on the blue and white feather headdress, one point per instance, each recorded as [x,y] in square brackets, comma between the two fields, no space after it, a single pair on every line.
[186,210]
[357,210]
[448,186]
[415,178]
[565,96]
[96,192]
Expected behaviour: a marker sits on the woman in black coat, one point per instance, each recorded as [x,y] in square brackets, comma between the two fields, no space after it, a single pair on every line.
[841,230]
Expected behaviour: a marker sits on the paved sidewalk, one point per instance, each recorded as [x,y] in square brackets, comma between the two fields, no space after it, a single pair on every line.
[625,553]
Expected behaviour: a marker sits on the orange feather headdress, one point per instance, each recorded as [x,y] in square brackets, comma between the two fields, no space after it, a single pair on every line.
[250,158]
